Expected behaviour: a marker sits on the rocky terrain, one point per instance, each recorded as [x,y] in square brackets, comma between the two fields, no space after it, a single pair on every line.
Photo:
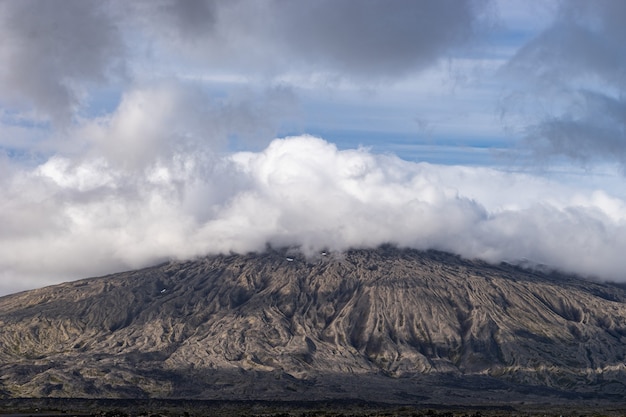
[391,325]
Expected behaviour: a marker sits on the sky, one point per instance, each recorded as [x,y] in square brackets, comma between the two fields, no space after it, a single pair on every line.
[133,133]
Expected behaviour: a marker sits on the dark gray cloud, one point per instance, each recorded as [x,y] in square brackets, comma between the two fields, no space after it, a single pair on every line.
[369,38]
[183,21]
[372,37]
[50,50]
[595,132]
[571,81]
[190,17]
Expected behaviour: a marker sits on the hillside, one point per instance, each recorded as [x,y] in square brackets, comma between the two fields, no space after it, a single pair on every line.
[387,325]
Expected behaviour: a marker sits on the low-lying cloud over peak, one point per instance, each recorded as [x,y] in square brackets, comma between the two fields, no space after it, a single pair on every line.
[89,217]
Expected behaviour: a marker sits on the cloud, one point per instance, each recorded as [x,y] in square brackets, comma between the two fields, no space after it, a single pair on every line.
[92,216]
[158,120]
[341,38]
[51,51]
[55,57]
[370,38]
[569,83]
[178,161]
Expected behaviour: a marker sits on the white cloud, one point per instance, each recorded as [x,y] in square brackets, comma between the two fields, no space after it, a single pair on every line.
[90,216]
[160,120]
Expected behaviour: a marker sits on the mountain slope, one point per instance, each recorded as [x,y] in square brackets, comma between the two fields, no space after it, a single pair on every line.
[386,324]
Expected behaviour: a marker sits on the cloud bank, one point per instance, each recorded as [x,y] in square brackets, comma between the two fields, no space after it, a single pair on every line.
[90,216]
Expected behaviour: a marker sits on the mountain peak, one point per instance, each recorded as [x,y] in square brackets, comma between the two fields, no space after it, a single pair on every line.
[388,324]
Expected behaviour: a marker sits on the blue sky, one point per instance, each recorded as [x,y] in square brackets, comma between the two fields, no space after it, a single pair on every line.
[137,132]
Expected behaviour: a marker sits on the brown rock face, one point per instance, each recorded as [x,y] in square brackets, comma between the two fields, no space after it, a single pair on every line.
[389,325]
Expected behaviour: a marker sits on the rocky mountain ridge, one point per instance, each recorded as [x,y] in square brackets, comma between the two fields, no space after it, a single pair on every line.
[387,324]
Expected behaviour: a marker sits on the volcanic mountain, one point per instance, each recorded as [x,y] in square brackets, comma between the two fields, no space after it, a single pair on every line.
[386,324]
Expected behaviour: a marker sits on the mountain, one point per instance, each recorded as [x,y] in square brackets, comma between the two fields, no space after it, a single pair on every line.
[387,324]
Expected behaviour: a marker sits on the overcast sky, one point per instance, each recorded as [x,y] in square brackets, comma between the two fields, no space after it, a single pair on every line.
[137,132]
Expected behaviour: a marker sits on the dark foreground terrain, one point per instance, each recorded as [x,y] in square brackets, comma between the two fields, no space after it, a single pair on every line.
[56,407]
[399,327]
